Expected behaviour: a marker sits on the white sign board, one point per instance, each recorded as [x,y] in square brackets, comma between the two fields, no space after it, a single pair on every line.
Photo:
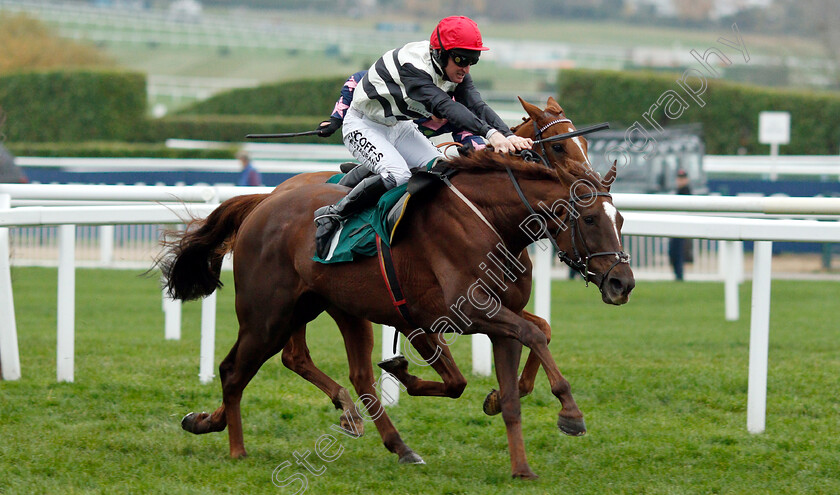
[774,127]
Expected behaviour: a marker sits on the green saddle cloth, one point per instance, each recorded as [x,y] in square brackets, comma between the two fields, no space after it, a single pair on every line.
[357,236]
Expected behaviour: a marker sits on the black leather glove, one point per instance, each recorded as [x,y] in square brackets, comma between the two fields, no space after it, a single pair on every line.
[328,127]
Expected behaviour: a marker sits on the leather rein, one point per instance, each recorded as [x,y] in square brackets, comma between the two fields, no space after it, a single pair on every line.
[580,261]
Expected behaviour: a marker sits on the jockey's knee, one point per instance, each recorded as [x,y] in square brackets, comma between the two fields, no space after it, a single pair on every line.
[395,178]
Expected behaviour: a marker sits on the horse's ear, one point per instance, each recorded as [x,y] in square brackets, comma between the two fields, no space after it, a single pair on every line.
[610,177]
[532,110]
[553,105]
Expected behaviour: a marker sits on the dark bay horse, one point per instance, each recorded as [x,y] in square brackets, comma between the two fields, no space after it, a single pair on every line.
[279,288]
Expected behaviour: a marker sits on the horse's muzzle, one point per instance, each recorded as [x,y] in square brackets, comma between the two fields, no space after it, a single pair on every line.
[617,282]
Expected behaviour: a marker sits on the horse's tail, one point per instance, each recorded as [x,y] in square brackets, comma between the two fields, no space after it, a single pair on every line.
[192,260]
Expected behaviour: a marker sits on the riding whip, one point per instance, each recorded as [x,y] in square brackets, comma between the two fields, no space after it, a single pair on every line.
[282,135]
[579,132]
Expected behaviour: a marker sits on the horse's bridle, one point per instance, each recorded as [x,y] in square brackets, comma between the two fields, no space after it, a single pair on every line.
[579,263]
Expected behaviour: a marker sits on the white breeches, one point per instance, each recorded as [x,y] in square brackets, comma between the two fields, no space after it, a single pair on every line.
[390,151]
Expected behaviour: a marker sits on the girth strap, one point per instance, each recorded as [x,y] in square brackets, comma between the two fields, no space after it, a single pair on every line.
[392,283]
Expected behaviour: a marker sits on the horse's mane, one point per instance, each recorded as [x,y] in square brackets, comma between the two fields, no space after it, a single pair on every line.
[515,128]
[490,161]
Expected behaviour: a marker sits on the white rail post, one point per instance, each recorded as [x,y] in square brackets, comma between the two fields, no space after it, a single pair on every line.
[543,255]
[171,311]
[9,351]
[65,340]
[106,244]
[482,355]
[171,317]
[389,391]
[208,322]
[208,338]
[759,336]
[730,265]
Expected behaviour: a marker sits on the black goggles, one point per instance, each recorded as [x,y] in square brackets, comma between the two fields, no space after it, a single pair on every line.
[464,59]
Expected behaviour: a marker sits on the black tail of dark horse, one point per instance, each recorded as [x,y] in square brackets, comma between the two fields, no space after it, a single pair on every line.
[192,260]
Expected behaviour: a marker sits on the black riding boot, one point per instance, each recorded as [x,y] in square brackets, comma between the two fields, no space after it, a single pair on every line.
[354,176]
[328,218]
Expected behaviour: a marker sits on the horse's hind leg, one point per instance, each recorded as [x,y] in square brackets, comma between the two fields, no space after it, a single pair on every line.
[203,422]
[435,352]
[358,341]
[250,355]
[492,404]
[236,371]
[296,357]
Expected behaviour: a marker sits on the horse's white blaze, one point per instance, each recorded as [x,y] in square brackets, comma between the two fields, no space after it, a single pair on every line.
[611,212]
[579,143]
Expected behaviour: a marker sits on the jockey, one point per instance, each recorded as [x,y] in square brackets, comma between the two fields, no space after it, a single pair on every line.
[424,79]
[430,127]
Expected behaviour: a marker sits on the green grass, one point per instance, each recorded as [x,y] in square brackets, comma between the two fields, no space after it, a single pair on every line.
[662,382]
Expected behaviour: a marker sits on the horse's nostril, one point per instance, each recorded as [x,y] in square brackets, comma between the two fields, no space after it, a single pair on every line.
[616,285]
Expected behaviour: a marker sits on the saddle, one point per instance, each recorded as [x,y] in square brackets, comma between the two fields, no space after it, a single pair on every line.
[357,236]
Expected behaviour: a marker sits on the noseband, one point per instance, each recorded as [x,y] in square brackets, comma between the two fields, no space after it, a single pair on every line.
[580,262]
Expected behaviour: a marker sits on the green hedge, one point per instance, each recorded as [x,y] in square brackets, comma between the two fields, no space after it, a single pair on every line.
[113,150]
[293,98]
[233,128]
[73,105]
[729,115]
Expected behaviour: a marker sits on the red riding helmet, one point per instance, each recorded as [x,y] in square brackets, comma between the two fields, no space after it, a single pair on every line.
[457,32]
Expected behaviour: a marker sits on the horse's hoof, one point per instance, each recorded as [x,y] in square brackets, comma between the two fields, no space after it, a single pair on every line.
[189,421]
[394,364]
[575,427]
[411,457]
[492,403]
[353,426]
[526,475]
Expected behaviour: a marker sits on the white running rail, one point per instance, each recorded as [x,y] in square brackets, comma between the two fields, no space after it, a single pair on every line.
[764,231]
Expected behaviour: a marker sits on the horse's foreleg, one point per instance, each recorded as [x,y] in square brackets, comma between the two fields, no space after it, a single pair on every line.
[296,357]
[436,353]
[505,323]
[506,355]
[358,341]
[492,404]
[570,420]
[532,364]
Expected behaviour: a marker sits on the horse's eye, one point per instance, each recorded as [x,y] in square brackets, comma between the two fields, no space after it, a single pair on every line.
[558,148]
[589,220]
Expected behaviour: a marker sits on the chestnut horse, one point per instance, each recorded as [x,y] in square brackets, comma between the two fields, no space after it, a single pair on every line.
[358,333]
[539,124]
[279,287]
